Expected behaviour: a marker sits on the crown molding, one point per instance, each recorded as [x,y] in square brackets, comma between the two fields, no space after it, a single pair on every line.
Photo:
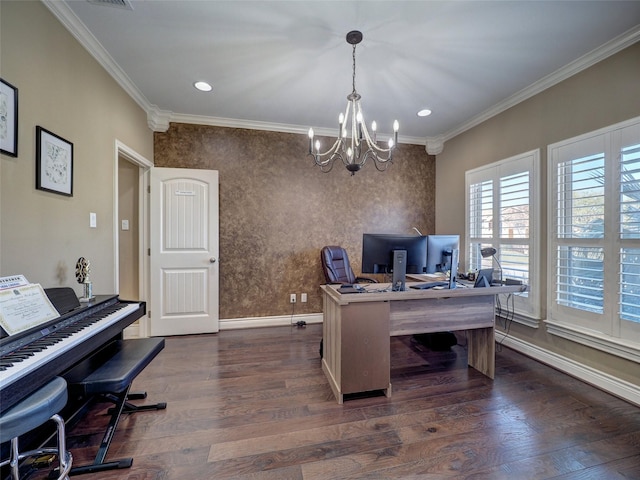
[273,127]
[435,145]
[610,48]
[158,120]
[237,123]
[74,25]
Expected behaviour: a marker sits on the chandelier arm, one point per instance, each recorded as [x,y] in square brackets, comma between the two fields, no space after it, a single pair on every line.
[355,140]
[346,116]
[373,145]
[382,166]
[375,150]
[357,126]
[335,157]
[331,155]
[327,162]
[326,168]
[334,148]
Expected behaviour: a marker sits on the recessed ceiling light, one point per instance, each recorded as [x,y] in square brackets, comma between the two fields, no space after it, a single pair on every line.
[424,112]
[203,86]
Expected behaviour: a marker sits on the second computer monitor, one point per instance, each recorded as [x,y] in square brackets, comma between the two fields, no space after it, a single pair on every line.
[439,251]
[378,248]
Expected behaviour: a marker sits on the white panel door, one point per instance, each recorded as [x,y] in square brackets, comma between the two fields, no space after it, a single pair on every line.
[184,251]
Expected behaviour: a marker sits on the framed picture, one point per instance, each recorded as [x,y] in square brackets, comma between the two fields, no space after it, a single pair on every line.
[54,163]
[8,119]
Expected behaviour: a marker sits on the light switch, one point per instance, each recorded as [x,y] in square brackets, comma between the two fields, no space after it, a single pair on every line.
[93,220]
[125,224]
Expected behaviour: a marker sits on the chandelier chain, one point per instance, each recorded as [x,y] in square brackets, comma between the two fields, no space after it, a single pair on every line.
[354,69]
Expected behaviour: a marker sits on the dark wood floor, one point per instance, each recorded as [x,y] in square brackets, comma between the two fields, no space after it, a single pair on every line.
[255,404]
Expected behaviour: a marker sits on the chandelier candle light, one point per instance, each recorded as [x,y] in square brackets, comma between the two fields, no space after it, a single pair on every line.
[361,147]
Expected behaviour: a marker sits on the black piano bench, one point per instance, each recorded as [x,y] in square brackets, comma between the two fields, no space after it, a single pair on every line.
[119,365]
[31,413]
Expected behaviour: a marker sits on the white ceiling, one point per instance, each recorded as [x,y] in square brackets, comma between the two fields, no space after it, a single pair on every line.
[286,66]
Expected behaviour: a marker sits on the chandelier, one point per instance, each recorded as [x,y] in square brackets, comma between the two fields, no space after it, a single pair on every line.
[356,149]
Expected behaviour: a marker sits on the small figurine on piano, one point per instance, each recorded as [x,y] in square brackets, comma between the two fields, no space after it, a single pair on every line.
[82,275]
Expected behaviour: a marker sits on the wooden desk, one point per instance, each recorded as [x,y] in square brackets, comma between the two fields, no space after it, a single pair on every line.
[357,327]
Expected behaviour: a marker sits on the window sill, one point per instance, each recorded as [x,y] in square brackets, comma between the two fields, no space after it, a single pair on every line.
[519,318]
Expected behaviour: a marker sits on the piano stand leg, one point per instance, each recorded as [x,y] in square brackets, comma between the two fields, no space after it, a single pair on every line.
[137,395]
[131,408]
[102,467]
[126,359]
[120,406]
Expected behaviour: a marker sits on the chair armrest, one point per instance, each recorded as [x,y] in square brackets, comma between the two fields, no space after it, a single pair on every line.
[365,280]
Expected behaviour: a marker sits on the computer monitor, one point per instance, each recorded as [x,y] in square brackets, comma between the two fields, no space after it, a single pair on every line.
[377,252]
[439,251]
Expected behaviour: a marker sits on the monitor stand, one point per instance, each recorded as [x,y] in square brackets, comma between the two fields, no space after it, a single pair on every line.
[453,272]
[399,270]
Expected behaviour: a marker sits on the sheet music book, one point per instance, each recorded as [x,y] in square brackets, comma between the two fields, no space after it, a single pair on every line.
[23,307]
[13,281]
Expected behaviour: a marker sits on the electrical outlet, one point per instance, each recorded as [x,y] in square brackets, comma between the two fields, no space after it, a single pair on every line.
[292,298]
[303,297]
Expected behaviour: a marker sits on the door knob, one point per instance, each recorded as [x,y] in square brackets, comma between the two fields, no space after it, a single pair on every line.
[212,260]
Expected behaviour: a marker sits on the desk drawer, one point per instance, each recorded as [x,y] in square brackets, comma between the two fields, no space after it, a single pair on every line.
[441,314]
[365,347]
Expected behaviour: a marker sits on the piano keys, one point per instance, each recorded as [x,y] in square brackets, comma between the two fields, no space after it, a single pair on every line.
[30,359]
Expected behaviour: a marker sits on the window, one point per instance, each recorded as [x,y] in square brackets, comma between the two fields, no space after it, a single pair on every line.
[594,225]
[502,212]
[629,286]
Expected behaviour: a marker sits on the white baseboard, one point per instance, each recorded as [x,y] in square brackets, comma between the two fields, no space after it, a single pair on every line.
[132,331]
[278,321]
[604,381]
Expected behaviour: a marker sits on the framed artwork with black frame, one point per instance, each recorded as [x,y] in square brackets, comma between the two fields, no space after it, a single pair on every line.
[8,119]
[54,163]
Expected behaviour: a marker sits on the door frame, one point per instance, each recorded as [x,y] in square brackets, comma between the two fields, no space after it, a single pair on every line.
[144,168]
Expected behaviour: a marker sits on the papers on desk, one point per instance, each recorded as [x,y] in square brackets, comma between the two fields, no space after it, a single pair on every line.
[23,307]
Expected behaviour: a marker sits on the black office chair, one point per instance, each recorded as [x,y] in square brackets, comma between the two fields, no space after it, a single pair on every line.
[336,266]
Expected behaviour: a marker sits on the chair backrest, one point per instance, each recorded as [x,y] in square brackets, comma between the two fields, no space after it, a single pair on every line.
[336,266]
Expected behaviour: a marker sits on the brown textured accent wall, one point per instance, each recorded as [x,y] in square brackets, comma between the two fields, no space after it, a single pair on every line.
[277,210]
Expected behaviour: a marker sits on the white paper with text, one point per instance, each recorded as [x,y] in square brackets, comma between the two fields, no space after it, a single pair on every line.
[24,307]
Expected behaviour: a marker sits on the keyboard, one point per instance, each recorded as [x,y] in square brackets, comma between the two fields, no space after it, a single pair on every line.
[30,359]
[18,364]
[424,286]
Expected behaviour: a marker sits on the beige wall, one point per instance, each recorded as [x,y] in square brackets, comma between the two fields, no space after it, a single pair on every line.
[277,210]
[63,89]
[128,240]
[607,93]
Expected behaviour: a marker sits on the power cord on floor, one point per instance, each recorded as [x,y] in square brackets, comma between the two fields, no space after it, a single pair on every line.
[299,323]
